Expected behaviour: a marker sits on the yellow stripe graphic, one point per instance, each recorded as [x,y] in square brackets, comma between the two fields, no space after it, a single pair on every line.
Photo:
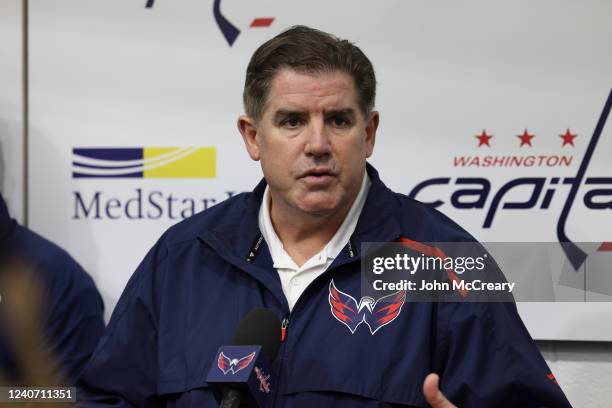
[199,163]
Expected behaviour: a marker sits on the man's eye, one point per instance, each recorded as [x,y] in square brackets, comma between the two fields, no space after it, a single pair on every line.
[291,122]
[340,122]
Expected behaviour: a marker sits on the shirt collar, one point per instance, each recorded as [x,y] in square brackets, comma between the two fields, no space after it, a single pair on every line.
[279,256]
[282,259]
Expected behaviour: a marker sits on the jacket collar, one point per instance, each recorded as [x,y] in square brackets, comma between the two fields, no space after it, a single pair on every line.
[379,220]
[7,225]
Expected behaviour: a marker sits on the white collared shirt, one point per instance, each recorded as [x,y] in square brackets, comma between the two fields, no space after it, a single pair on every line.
[295,279]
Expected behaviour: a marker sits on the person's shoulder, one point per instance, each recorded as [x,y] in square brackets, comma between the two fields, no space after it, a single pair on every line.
[427,223]
[34,247]
[224,216]
[51,262]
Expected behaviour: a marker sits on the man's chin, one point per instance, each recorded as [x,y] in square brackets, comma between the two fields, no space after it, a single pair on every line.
[319,211]
[319,207]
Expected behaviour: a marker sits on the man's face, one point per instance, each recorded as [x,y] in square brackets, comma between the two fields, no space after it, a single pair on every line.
[312,141]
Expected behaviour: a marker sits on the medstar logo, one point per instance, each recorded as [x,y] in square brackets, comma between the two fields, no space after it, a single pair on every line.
[229,30]
[144,162]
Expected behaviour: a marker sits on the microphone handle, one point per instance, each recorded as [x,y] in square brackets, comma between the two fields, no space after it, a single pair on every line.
[232,398]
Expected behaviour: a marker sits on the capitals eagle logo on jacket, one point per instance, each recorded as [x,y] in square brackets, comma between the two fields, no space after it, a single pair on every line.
[234,365]
[374,313]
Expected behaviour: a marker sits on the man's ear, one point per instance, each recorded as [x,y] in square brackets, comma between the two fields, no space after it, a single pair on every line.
[371,128]
[248,130]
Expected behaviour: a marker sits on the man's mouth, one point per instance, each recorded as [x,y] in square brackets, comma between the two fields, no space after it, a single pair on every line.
[318,176]
[319,171]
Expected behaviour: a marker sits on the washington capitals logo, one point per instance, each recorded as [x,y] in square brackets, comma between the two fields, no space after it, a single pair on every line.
[542,188]
[229,30]
[374,313]
[233,365]
[264,380]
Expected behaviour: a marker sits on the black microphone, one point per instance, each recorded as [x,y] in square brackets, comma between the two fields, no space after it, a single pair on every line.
[241,372]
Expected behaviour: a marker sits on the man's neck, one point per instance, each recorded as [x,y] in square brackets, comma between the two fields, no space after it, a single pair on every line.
[304,235]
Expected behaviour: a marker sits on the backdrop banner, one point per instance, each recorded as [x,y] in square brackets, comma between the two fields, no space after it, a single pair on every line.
[489,112]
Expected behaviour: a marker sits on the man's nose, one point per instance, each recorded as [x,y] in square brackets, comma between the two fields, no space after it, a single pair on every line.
[318,141]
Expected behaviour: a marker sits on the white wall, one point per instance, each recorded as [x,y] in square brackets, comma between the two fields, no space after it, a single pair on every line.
[583,369]
[11,116]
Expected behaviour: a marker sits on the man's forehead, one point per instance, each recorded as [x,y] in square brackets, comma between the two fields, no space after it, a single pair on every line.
[299,91]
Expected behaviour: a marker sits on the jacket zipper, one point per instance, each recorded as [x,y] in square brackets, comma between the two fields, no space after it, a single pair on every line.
[284,325]
[287,319]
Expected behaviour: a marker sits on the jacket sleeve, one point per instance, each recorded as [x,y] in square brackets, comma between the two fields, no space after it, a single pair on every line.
[75,319]
[123,369]
[486,358]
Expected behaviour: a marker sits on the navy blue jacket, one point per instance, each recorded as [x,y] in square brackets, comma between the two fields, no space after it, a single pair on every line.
[205,273]
[73,310]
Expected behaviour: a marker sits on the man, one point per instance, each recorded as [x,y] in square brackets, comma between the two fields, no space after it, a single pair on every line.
[292,245]
[51,314]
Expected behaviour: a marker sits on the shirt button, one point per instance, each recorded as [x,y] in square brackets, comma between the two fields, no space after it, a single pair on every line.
[296,282]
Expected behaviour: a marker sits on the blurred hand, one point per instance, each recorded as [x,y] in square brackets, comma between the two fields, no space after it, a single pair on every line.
[22,313]
[21,304]
[433,395]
